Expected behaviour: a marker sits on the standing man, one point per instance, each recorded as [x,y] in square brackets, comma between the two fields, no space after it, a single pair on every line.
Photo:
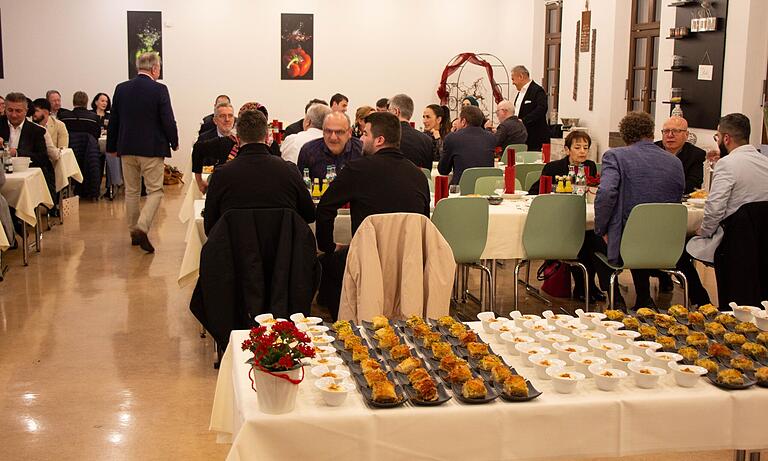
[511,130]
[142,131]
[339,103]
[675,141]
[414,145]
[531,107]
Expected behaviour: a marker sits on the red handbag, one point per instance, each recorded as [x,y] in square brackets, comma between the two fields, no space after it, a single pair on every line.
[556,277]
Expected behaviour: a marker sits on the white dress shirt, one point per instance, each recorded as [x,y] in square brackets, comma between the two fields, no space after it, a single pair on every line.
[13,141]
[290,148]
[520,96]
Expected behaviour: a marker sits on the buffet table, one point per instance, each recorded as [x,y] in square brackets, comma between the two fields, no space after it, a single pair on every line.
[67,167]
[587,423]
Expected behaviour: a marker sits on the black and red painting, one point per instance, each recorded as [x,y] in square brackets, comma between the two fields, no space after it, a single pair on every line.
[296,46]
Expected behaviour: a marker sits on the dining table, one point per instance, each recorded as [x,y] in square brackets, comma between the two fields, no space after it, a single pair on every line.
[25,191]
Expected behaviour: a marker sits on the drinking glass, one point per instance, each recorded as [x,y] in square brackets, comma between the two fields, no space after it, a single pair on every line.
[454,190]
[499,187]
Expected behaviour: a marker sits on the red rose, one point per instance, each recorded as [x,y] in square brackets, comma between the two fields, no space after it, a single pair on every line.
[285,361]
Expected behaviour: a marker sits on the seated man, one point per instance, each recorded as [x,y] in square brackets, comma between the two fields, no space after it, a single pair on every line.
[215,149]
[339,103]
[255,179]
[207,125]
[80,119]
[675,141]
[469,147]
[336,148]
[414,145]
[298,125]
[313,129]
[383,181]
[511,129]
[56,136]
[639,173]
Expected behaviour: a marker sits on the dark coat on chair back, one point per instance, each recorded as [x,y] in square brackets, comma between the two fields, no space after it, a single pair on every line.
[255,261]
[86,150]
[741,260]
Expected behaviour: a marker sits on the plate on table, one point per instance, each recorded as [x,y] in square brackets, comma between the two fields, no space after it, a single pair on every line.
[519,194]
[532,393]
[697,202]
[355,368]
[457,351]
[369,325]
[490,394]
[748,382]
[362,384]
[413,396]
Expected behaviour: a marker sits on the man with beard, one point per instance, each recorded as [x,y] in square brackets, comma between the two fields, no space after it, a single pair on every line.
[382,181]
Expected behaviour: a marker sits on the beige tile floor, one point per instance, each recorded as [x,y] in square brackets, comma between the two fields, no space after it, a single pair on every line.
[100,358]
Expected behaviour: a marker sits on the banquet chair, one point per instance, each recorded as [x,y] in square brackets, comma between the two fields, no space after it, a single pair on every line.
[470,175]
[516,148]
[463,222]
[428,174]
[531,178]
[527,157]
[653,238]
[522,170]
[554,230]
[488,185]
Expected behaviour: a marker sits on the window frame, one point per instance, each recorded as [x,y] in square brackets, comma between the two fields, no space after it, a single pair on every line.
[643,31]
[552,39]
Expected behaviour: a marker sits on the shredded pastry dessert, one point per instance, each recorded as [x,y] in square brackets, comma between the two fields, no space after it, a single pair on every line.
[477,349]
[515,386]
[709,364]
[474,389]
[400,352]
[731,377]
[408,365]
[754,350]
[379,321]
[383,392]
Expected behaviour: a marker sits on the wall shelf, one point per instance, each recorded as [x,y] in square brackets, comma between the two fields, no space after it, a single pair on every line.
[677,69]
[684,3]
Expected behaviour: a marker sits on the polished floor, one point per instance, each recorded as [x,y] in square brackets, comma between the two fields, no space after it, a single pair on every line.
[100,358]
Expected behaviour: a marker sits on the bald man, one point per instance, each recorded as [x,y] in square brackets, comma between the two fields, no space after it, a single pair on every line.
[336,148]
[510,130]
[675,141]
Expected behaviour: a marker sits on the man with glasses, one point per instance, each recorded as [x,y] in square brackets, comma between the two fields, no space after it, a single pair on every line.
[312,125]
[511,130]
[675,141]
[336,148]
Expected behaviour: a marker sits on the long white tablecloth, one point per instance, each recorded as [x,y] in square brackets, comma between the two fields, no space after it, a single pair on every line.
[67,167]
[24,191]
[192,194]
[587,423]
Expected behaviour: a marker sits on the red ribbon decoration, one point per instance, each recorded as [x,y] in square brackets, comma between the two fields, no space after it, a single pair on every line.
[442,91]
[276,375]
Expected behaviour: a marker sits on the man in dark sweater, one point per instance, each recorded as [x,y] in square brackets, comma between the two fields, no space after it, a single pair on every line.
[511,129]
[675,141]
[469,147]
[80,119]
[383,181]
[255,179]
[414,145]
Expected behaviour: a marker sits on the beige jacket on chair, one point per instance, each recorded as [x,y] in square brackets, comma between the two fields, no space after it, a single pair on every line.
[398,265]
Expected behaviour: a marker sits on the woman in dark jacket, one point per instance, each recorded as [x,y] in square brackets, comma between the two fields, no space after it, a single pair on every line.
[437,124]
[101,105]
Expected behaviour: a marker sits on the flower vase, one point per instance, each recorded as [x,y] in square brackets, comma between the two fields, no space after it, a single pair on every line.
[276,395]
[591,194]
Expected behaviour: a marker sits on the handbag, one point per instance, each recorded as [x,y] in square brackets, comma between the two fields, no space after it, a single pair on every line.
[556,277]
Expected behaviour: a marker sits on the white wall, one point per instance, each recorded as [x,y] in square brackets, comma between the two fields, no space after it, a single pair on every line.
[365,49]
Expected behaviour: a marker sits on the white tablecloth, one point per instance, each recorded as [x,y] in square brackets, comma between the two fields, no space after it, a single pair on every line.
[587,423]
[24,191]
[192,194]
[67,167]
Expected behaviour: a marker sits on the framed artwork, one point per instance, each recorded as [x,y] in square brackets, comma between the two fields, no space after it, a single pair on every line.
[296,46]
[2,72]
[145,33]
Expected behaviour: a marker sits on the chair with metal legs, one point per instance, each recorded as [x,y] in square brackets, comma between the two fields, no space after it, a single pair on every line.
[470,176]
[653,238]
[554,230]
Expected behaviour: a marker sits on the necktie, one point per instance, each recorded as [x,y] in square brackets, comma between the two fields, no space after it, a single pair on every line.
[235,148]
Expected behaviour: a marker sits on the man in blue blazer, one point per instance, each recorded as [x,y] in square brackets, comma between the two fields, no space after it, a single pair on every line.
[639,173]
[142,131]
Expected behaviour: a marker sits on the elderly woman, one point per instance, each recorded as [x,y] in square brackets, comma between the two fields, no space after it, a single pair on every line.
[576,149]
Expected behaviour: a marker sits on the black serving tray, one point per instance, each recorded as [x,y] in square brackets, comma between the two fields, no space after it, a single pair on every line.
[748,382]
[442,395]
[368,395]
[491,394]
[369,325]
[355,369]
[532,393]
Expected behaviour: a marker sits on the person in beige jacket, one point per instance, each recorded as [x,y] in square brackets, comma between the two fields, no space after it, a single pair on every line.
[55,129]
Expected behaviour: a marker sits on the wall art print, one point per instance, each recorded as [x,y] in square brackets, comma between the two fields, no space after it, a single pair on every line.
[145,33]
[2,74]
[296,46]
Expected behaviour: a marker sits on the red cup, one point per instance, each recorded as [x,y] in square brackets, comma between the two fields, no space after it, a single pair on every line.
[509,179]
[545,185]
[441,188]
[497,152]
[546,152]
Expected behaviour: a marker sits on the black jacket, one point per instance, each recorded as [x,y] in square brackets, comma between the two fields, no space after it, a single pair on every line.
[256,179]
[206,125]
[533,113]
[211,152]
[82,120]
[255,261]
[208,135]
[741,260]
[469,147]
[86,150]
[32,145]
[693,165]
[511,131]
[385,182]
[293,128]
[416,146]
[559,168]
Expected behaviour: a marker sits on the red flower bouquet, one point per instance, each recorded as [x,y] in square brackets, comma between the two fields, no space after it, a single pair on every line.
[280,348]
[593,181]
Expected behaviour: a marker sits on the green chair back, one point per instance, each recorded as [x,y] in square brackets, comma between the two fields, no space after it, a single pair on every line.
[463,222]
[599,167]
[527,157]
[470,175]
[487,185]
[531,178]
[554,228]
[428,174]
[516,147]
[522,170]
[654,236]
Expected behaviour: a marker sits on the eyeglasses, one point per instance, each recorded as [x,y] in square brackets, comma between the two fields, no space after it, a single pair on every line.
[329,132]
[674,131]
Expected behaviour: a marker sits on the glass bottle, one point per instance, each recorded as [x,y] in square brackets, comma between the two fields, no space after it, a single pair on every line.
[581,181]
[316,189]
[307,179]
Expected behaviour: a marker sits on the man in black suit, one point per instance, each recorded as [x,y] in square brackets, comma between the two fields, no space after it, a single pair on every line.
[25,138]
[215,146]
[207,123]
[382,181]
[531,107]
[298,125]
[414,145]
[511,129]
[142,131]
[469,147]
[80,119]
[675,141]
[256,179]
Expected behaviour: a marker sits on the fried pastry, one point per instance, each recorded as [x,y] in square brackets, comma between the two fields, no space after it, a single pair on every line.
[489,361]
[359,353]
[614,315]
[708,310]
[417,375]
[340,324]
[477,349]
[369,364]
[678,311]
[718,350]
[457,329]
[446,321]
[667,342]
[734,339]
[440,350]
[726,319]
[383,392]
[414,320]
[714,328]
[690,354]
[351,341]
[345,333]
[645,313]
[746,327]
[696,318]
[762,375]
[431,338]
[400,352]
[664,320]
[678,330]
[460,373]
[379,321]
[375,376]
[647,332]
[388,342]
[762,338]
[731,377]
[697,339]
[516,386]
[474,389]
[384,332]
[631,323]
[754,350]
[500,372]
[449,361]
[742,364]
[467,337]
[408,365]
[420,330]
[426,389]
[709,364]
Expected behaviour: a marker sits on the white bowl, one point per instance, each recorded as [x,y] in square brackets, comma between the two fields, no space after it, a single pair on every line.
[603,325]
[761,320]
[570,327]
[564,381]
[601,347]
[619,335]
[299,318]
[333,398]
[20,163]
[745,313]
[486,318]
[564,351]
[579,359]
[607,379]
[325,351]
[534,326]
[264,319]
[641,347]
[520,319]
[319,370]
[663,359]
[511,341]
[527,350]
[543,361]
[317,330]
[501,327]
[587,317]
[552,318]
[686,375]
[620,359]
[646,377]
[583,337]
[548,339]
[330,362]
[322,340]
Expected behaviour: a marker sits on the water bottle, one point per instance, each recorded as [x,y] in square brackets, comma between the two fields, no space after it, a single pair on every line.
[331,173]
[581,181]
[307,179]
[7,162]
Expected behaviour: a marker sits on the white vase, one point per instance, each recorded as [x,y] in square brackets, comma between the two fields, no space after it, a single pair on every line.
[276,395]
